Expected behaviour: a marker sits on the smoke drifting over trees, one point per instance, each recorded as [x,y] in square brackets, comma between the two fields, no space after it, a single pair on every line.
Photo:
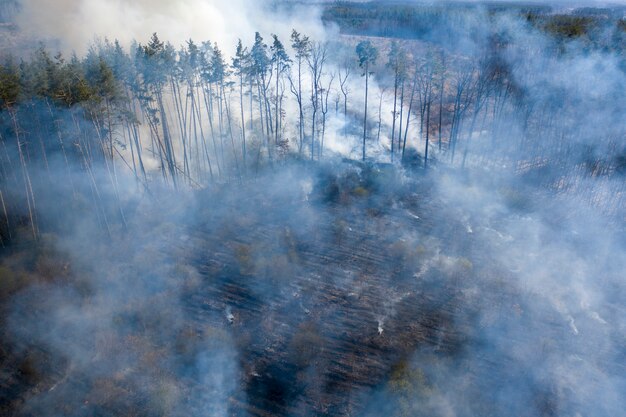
[344,209]
[175,21]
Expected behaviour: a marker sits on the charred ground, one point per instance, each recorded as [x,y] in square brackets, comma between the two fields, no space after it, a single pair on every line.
[349,290]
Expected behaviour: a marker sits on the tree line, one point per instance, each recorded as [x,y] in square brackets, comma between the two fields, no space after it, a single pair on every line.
[192,116]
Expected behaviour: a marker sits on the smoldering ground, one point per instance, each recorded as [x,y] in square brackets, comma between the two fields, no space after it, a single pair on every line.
[327,290]
[331,287]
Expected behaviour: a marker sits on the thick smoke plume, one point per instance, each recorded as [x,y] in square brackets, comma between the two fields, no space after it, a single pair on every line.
[73,24]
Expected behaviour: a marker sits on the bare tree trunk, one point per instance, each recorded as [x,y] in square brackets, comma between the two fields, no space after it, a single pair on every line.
[6,215]
[262,121]
[395,114]
[276,113]
[301,112]
[205,148]
[314,107]
[182,125]
[30,196]
[243,125]
[408,117]
[401,111]
[169,152]
[230,131]
[441,91]
[427,134]
[380,115]
[208,102]
[344,91]
[365,115]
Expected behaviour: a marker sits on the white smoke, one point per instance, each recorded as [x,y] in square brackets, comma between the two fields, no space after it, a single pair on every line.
[73,24]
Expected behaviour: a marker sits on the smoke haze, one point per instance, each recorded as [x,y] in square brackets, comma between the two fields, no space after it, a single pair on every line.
[74,24]
[237,278]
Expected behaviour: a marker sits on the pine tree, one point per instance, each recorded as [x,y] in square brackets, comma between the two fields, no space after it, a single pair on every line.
[302,48]
[281,62]
[397,63]
[367,55]
[240,63]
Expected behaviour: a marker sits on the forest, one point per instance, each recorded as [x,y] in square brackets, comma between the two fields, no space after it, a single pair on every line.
[386,207]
